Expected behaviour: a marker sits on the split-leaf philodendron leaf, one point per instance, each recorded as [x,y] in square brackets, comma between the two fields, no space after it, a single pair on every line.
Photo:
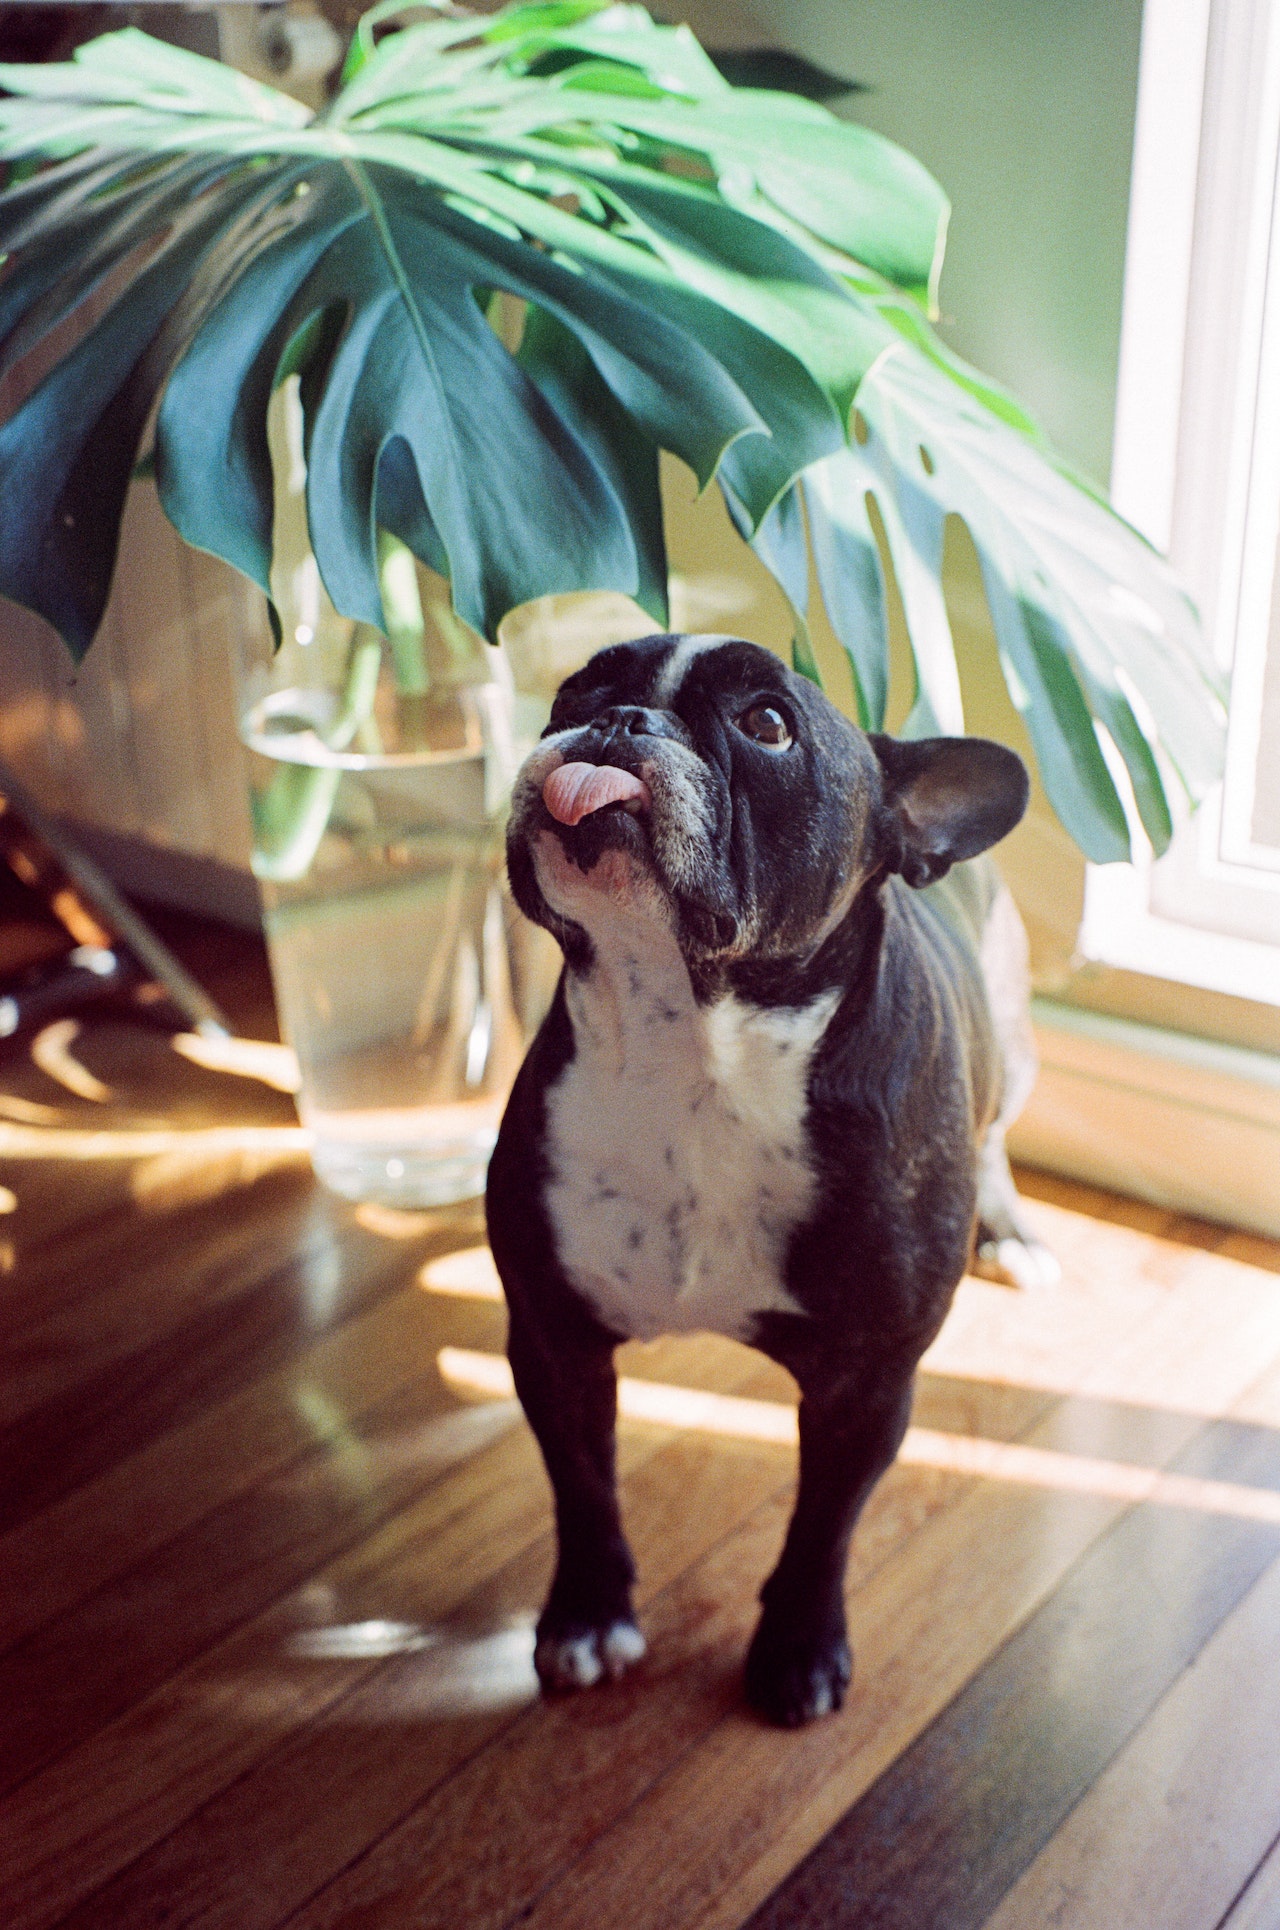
[731,274]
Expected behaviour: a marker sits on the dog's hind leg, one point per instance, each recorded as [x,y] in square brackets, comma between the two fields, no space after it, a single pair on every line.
[1005,1248]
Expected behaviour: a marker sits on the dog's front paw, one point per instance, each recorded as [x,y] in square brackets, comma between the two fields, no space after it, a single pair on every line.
[792,1678]
[577,1656]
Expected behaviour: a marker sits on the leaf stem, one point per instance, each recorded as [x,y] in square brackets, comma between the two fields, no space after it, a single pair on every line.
[293,813]
[402,610]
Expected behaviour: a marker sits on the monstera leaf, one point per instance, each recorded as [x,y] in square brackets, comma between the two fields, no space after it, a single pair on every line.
[565,155]
[1100,646]
[731,274]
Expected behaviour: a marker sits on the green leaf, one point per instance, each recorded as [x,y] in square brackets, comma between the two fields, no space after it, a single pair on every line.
[564,372]
[734,276]
[130,65]
[802,657]
[697,327]
[847,561]
[100,228]
[1092,628]
[779,541]
[416,374]
[548,17]
[777,69]
[66,454]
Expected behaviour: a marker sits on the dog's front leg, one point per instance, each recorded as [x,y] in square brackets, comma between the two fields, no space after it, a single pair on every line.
[569,1393]
[851,1426]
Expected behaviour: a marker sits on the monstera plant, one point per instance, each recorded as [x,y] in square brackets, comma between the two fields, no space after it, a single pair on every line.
[731,274]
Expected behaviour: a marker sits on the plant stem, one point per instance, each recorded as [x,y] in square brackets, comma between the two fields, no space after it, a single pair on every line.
[402,608]
[293,813]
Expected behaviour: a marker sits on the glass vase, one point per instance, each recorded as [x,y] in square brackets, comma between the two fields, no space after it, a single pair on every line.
[380,768]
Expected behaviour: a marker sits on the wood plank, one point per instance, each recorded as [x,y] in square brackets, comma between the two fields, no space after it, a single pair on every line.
[1112,1286]
[81,1226]
[255,1315]
[49,1210]
[259,1850]
[153,1089]
[101,1805]
[948,1404]
[91,1813]
[677,1498]
[142,1275]
[1252,1250]
[1114,1326]
[550,1783]
[106,1525]
[1179,1356]
[244,1780]
[70,1676]
[949,1827]
[688,1494]
[1096,1205]
[96,1266]
[1181,1808]
[742,1809]
[557,1795]
[106,1204]
[1187,1811]
[1258,1906]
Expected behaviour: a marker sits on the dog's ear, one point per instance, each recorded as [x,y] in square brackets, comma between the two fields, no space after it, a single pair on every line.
[947,798]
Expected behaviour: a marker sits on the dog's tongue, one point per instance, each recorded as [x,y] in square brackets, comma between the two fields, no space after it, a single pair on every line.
[574,791]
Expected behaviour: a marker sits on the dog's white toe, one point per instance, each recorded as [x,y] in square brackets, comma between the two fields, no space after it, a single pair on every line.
[570,1662]
[620,1648]
[580,1661]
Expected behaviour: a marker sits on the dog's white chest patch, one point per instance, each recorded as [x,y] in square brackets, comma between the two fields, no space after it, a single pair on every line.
[677,1148]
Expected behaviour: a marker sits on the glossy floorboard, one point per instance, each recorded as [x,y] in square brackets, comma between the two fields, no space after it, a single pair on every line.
[272,1538]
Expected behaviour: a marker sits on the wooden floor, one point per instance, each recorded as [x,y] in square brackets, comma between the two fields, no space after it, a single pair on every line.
[273,1536]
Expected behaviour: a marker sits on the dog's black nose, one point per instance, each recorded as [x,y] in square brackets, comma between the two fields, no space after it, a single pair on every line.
[630,720]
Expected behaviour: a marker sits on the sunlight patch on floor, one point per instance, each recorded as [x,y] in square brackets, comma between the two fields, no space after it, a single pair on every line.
[272,1065]
[469,1273]
[688,1407]
[54,1141]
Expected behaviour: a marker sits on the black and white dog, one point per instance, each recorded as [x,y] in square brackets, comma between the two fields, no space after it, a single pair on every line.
[768,1101]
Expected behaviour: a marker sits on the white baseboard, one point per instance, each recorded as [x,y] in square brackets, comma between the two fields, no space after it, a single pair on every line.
[1187,1123]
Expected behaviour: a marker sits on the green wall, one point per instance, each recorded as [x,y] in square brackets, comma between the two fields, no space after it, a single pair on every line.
[1023,109]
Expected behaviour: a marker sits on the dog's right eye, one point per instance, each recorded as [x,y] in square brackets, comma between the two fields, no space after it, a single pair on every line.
[764,724]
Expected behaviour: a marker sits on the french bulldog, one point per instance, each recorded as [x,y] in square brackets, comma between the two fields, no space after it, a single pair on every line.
[769,1099]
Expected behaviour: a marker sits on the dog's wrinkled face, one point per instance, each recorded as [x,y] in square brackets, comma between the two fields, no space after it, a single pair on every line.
[699,782]
[744,816]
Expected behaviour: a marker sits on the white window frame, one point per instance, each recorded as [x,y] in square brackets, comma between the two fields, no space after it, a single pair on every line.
[1199,366]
